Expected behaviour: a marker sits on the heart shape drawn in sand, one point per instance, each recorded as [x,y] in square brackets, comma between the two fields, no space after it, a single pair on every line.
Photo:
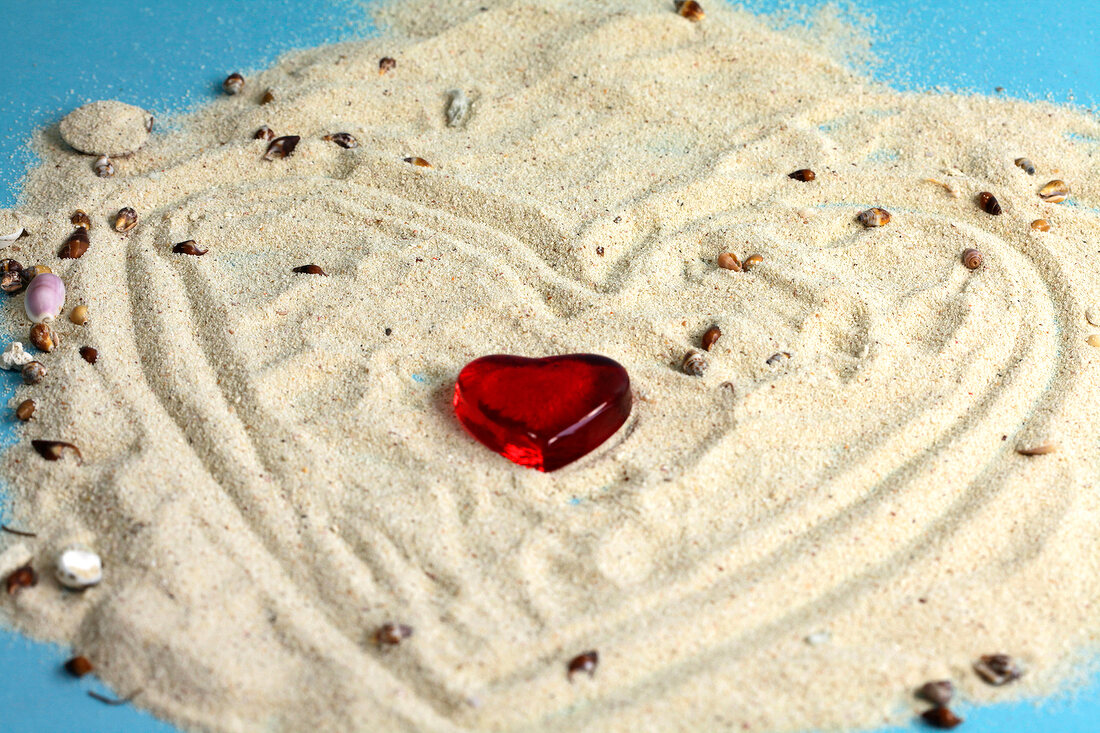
[542,413]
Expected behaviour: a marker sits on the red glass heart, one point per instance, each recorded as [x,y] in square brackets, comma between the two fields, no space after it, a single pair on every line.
[543,413]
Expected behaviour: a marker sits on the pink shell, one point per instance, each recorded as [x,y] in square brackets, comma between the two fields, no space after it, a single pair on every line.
[45,297]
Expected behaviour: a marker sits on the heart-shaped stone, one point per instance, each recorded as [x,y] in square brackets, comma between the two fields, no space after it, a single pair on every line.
[542,413]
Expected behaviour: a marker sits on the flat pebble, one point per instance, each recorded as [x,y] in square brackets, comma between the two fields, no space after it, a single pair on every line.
[79,567]
[106,128]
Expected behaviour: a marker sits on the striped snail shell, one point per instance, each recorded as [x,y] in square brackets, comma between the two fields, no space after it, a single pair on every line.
[972,258]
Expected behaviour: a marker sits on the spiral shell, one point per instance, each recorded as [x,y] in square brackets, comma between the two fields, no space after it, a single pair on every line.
[103,167]
[125,220]
[1026,165]
[874,217]
[729,261]
[690,9]
[802,174]
[695,364]
[233,84]
[972,258]
[989,203]
[1054,192]
[710,337]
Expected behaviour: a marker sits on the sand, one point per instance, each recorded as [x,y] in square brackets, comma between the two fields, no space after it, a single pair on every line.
[272,468]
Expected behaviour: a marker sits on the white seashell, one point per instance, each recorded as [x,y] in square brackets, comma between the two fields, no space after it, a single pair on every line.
[79,567]
[818,638]
[1092,315]
[14,357]
[6,239]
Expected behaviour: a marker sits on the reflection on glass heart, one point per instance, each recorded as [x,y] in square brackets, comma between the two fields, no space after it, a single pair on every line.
[542,413]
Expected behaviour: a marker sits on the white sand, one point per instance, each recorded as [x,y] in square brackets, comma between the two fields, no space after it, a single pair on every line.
[269,476]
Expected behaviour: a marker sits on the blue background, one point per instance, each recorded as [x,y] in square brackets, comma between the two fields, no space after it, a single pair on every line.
[166,56]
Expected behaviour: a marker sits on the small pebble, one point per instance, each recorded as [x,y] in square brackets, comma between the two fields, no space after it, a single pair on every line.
[729,261]
[1041,225]
[938,693]
[78,567]
[818,638]
[78,666]
[79,315]
[997,669]
[88,354]
[585,662]
[941,718]
[875,217]
[25,410]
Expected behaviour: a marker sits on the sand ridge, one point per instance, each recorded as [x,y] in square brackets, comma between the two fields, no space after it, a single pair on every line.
[270,475]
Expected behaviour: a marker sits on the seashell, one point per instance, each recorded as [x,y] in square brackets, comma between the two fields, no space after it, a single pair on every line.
[418,162]
[309,270]
[268,97]
[729,261]
[1092,315]
[14,357]
[997,669]
[1041,225]
[103,167]
[81,220]
[710,337]
[874,217]
[78,667]
[78,567]
[43,337]
[941,718]
[6,239]
[343,139]
[1054,192]
[233,84]
[75,246]
[25,410]
[694,364]
[989,203]
[392,634]
[54,450]
[386,63]
[690,9]
[264,133]
[281,147]
[777,357]
[1037,450]
[45,298]
[79,315]
[938,692]
[89,354]
[1093,340]
[586,662]
[12,277]
[125,220]
[803,174]
[751,261]
[972,258]
[1026,165]
[33,372]
[188,248]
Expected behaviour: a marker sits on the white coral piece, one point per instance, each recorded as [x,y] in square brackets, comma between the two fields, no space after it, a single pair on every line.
[14,357]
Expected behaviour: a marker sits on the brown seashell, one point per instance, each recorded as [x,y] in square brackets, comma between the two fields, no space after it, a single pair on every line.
[803,174]
[78,666]
[690,9]
[729,261]
[88,354]
[751,261]
[938,692]
[419,161]
[694,364]
[1037,450]
[81,220]
[392,634]
[386,64]
[972,258]
[712,334]
[264,133]
[268,97]
[874,217]
[310,270]
[1054,192]
[52,450]
[79,315]
[586,662]
[281,147]
[125,220]
[989,203]
[189,248]
[25,410]
[33,372]
[75,246]
[997,669]
[103,167]
[1041,225]
[1026,165]
[20,578]
[343,139]
[233,83]
[941,718]
[43,337]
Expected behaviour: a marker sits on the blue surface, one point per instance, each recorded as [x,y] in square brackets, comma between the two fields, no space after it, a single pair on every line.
[167,56]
